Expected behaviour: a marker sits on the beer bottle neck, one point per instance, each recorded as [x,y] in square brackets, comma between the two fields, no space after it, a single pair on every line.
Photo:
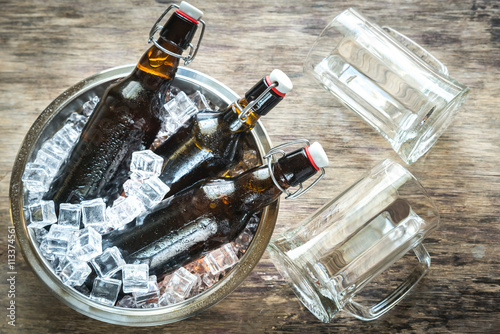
[179,29]
[294,168]
[289,171]
[268,101]
[261,107]
[174,37]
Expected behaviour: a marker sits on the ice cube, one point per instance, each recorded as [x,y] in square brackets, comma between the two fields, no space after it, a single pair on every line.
[46,252]
[150,304]
[42,214]
[146,163]
[152,294]
[77,121]
[75,272]
[163,283]
[75,118]
[152,191]
[196,267]
[69,215]
[83,290]
[168,298]
[135,277]
[65,138]
[33,196]
[40,233]
[123,211]
[50,157]
[209,279]
[112,220]
[108,263]
[94,214]
[105,290]
[177,113]
[53,149]
[55,259]
[253,224]
[89,106]
[196,289]
[221,259]
[119,200]
[36,178]
[131,186]
[243,241]
[59,263]
[58,239]
[127,302]
[137,177]
[200,101]
[181,283]
[180,108]
[170,126]
[87,245]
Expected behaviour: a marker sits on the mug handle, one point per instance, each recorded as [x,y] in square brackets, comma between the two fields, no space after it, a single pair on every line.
[419,51]
[375,311]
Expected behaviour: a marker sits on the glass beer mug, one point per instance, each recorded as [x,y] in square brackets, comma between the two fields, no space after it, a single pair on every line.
[335,252]
[391,82]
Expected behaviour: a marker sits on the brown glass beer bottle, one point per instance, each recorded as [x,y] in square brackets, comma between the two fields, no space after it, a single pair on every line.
[126,119]
[211,212]
[211,143]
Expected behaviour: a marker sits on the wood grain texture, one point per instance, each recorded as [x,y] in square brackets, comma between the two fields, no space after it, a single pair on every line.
[46,46]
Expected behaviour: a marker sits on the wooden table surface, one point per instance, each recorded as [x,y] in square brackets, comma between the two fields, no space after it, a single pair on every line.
[46,46]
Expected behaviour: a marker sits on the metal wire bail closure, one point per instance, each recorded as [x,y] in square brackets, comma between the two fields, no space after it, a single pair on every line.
[246,111]
[192,51]
[278,150]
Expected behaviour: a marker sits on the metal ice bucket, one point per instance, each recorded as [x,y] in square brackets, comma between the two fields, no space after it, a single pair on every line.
[48,122]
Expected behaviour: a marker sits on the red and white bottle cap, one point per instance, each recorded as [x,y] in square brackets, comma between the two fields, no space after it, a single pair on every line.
[190,10]
[317,155]
[284,84]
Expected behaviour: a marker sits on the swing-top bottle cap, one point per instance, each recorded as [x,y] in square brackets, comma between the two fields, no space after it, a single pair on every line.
[317,155]
[190,10]
[284,83]
[295,168]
